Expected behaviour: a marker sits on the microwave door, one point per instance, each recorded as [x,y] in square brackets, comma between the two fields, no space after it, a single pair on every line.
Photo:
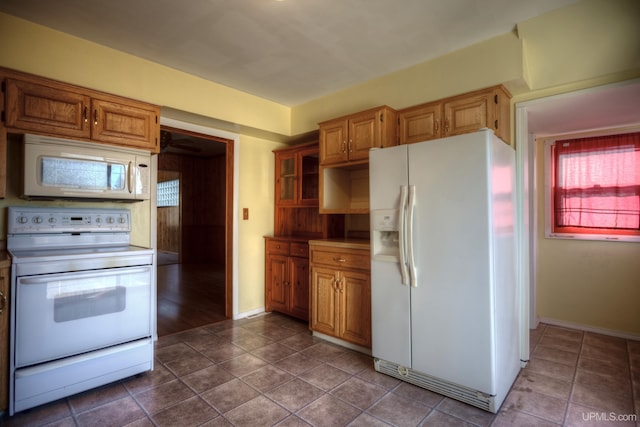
[74,170]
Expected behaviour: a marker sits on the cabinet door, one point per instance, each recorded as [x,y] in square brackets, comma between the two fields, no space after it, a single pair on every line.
[299,288]
[277,283]
[125,124]
[502,119]
[4,338]
[308,188]
[467,114]
[286,188]
[364,133]
[420,123]
[47,109]
[323,300]
[333,142]
[355,307]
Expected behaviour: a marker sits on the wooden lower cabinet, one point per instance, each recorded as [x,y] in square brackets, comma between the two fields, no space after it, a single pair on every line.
[4,339]
[341,293]
[287,277]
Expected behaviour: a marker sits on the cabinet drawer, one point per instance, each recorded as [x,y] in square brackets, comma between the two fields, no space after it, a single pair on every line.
[299,249]
[278,247]
[341,258]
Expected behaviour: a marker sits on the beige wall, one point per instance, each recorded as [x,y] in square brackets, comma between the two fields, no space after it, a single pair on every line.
[591,283]
[489,63]
[590,43]
[256,172]
[42,51]
[49,53]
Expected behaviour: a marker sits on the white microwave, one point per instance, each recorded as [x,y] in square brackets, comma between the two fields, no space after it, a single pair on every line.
[56,168]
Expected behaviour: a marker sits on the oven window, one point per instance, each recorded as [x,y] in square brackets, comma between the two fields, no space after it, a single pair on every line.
[79,305]
[87,174]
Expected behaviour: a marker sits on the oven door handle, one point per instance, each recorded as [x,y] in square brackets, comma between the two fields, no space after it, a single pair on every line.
[47,279]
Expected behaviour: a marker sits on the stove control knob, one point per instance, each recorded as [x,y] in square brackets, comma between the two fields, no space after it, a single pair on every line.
[110,220]
[52,220]
[37,219]
[122,220]
[98,220]
[23,220]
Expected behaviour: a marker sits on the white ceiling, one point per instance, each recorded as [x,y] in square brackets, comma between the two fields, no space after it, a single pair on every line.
[610,106]
[287,51]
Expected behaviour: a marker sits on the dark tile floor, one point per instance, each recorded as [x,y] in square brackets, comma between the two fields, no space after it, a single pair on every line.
[269,371]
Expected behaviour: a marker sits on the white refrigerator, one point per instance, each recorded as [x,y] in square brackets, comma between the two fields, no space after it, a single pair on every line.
[444,299]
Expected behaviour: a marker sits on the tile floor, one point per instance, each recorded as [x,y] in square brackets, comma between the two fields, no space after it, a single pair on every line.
[270,371]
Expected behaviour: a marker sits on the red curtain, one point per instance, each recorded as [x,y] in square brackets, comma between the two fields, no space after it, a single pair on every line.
[597,183]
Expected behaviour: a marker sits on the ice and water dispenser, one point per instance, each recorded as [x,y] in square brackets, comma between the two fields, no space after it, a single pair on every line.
[385,245]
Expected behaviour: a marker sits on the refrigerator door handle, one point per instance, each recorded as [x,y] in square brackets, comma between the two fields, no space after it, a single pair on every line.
[409,235]
[403,237]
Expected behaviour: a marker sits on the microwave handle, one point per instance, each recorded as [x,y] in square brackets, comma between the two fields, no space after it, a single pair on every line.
[130,178]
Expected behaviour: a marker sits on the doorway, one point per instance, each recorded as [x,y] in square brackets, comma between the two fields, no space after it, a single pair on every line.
[194,212]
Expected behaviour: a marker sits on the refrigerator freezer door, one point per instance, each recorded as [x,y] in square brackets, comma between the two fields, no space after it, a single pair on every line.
[390,303]
[452,307]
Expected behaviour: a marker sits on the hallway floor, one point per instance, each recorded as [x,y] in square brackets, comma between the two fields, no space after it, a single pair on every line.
[189,296]
[269,370]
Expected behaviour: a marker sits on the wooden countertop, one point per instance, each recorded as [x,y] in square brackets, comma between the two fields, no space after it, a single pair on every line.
[342,243]
[5,259]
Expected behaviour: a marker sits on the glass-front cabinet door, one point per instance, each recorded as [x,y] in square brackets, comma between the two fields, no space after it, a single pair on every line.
[286,175]
[297,177]
[309,179]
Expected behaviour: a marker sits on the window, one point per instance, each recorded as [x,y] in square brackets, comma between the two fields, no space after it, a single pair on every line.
[169,193]
[594,189]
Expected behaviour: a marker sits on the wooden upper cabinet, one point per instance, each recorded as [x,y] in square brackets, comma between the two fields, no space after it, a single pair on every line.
[297,176]
[468,114]
[486,108]
[127,124]
[39,105]
[49,109]
[333,141]
[349,138]
[420,123]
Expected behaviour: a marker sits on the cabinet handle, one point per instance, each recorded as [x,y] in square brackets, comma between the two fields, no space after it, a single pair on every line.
[95,117]
[85,114]
[3,302]
[336,259]
[344,146]
[286,283]
[446,125]
[350,149]
[341,287]
[435,126]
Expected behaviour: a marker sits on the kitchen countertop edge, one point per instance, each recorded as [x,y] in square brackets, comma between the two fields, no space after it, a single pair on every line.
[342,243]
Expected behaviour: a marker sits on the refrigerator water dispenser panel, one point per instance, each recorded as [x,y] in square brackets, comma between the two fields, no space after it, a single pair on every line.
[386,238]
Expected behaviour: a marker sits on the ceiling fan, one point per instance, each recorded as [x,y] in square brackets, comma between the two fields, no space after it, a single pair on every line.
[167,141]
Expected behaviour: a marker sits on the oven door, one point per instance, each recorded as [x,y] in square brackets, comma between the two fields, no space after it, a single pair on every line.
[59,315]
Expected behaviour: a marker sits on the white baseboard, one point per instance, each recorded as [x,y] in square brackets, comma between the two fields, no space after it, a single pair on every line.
[587,328]
[246,314]
[342,343]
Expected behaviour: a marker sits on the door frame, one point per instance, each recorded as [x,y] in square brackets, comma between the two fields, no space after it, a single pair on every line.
[231,227]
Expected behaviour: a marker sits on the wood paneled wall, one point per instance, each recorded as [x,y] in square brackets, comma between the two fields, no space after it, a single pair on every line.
[169,233]
[202,207]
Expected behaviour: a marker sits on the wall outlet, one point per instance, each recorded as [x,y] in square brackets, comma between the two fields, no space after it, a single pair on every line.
[245,213]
